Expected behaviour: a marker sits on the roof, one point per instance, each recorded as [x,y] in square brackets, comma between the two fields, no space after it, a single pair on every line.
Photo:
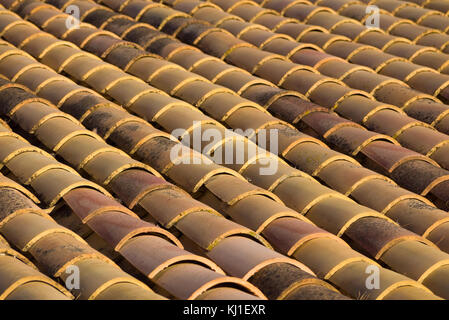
[337,186]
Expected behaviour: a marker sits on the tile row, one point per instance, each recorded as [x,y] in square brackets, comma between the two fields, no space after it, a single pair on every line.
[32,230]
[423,51]
[327,19]
[378,85]
[134,246]
[410,11]
[384,207]
[344,14]
[250,204]
[35,233]
[398,34]
[69,148]
[20,278]
[141,66]
[266,65]
[396,14]
[113,224]
[284,46]
[196,213]
[383,62]
[35,240]
[439,5]
[308,166]
[185,213]
[228,198]
[128,228]
[297,220]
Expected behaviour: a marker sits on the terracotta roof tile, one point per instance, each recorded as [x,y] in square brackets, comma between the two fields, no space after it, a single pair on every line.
[45,232]
[200,280]
[240,69]
[225,293]
[16,275]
